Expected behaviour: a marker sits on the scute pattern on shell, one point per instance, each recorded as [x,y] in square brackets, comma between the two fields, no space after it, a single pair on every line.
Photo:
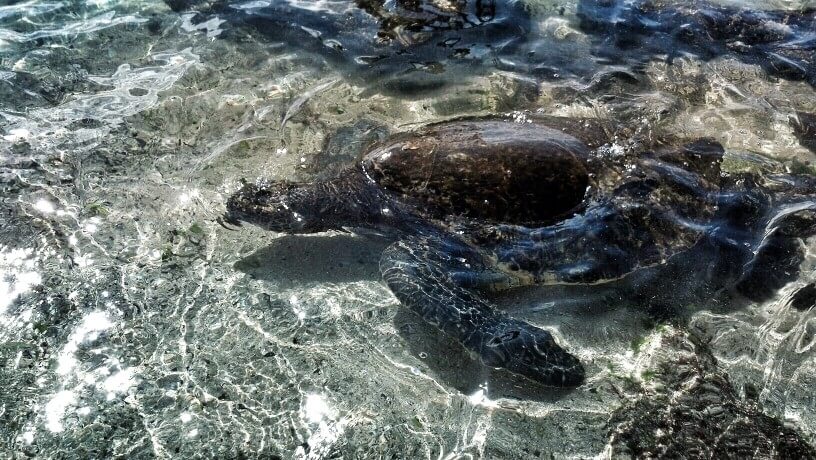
[493,170]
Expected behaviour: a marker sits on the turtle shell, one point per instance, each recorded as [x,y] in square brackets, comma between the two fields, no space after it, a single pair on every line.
[515,173]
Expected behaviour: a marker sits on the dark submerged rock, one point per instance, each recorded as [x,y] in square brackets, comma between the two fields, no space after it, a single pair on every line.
[781,42]
[690,410]
[804,127]
[404,44]
[408,47]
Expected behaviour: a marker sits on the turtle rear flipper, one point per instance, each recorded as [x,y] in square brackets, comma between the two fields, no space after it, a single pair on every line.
[418,271]
[780,253]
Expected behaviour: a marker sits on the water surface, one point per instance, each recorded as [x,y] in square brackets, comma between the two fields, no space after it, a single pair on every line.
[133,325]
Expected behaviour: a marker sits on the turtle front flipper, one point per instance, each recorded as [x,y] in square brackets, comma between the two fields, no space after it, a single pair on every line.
[425,274]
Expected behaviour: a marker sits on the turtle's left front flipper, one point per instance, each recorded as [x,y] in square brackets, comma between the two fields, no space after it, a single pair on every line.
[437,278]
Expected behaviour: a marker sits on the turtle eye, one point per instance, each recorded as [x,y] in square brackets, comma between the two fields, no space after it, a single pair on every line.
[262,197]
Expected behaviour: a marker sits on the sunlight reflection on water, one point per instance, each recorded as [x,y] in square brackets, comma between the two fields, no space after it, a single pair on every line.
[132,321]
[17,274]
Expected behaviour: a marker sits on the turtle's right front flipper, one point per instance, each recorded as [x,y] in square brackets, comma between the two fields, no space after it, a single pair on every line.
[419,272]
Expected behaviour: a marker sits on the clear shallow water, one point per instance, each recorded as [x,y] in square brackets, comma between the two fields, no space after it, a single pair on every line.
[133,325]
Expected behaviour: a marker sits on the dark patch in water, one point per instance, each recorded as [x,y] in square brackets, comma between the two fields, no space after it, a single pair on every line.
[804,298]
[418,46]
[85,123]
[403,44]
[777,259]
[804,127]
[781,42]
[417,21]
[294,261]
[694,412]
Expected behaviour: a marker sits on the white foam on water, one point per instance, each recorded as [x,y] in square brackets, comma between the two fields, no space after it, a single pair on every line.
[333,7]
[111,379]
[28,9]
[118,382]
[316,409]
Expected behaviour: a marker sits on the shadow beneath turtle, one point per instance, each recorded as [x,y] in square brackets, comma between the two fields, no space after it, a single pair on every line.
[292,260]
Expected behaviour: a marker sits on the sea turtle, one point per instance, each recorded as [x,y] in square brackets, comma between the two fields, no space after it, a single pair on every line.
[487,205]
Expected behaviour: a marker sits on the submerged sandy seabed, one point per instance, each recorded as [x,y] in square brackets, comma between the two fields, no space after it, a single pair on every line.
[133,325]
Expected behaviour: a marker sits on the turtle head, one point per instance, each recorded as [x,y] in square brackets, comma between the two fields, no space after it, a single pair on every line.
[284,207]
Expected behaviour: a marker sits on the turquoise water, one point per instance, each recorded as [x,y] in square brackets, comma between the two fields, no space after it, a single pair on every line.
[133,325]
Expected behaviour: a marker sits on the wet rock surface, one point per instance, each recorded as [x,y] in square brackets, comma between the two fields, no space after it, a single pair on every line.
[690,409]
[404,43]
[646,29]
